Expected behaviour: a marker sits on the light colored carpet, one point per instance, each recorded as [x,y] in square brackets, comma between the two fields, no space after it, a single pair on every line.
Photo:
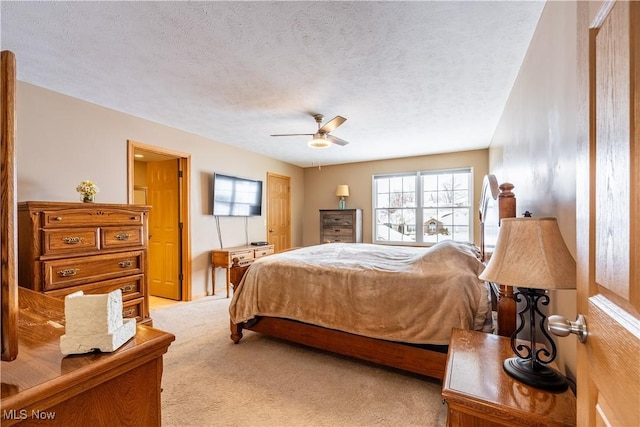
[209,381]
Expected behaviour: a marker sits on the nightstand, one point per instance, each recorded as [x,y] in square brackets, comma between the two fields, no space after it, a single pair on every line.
[479,393]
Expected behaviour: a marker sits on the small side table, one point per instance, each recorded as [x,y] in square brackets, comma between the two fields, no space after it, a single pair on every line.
[479,393]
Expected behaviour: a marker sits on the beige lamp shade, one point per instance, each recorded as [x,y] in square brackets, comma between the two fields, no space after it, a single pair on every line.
[342,191]
[530,253]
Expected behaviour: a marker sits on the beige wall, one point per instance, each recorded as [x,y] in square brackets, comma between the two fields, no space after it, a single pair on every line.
[535,144]
[62,140]
[320,185]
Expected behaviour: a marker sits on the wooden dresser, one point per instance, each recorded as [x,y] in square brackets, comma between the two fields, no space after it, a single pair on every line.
[341,225]
[42,386]
[246,255]
[92,247]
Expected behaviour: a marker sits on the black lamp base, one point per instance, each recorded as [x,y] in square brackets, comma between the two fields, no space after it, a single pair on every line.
[536,375]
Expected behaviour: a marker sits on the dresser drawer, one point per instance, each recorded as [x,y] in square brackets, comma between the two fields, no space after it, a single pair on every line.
[337,239]
[78,217]
[264,252]
[69,241]
[119,237]
[330,220]
[337,232]
[133,309]
[132,287]
[77,271]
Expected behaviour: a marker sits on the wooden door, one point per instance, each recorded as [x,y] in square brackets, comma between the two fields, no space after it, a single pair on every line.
[608,223]
[164,228]
[279,211]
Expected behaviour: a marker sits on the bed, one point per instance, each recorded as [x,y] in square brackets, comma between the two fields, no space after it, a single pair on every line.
[393,306]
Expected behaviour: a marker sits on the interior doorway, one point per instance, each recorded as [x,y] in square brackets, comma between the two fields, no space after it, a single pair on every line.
[160,178]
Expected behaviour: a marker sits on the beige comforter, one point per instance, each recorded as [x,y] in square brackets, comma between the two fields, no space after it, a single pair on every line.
[405,294]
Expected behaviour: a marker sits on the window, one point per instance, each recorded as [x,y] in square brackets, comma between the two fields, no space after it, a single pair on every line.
[423,208]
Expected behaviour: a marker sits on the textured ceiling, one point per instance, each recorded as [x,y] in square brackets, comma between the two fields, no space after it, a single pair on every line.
[411,78]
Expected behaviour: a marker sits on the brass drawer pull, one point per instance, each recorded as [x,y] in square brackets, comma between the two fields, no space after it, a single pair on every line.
[72,240]
[68,272]
[127,288]
[125,264]
[122,236]
[129,313]
[58,218]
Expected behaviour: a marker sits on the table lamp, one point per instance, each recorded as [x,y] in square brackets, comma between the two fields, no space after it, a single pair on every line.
[342,191]
[531,254]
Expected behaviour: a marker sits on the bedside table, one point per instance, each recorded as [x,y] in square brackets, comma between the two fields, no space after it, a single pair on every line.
[479,393]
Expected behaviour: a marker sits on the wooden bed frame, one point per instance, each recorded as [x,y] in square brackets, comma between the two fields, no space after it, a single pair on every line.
[419,360]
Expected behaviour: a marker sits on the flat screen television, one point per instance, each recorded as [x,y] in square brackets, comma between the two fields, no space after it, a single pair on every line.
[235,196]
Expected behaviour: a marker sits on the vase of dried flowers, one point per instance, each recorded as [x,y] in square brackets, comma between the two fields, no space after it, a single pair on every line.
[88,191]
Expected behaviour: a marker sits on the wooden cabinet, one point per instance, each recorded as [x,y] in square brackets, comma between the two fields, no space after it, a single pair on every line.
[341,225]
[245,254]
[479,393]
[42,386]
[89,247]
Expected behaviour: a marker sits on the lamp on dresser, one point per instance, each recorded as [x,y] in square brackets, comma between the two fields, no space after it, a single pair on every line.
[342,191]
[531,254]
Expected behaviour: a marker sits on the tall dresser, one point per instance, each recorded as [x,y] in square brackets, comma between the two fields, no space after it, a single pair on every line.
[341,225]
[91,247]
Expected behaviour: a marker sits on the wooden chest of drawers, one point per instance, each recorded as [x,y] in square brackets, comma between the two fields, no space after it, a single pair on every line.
[245,254]
[89,247]
[341,225]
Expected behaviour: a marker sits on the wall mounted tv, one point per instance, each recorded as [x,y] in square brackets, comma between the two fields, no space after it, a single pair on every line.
[235,196]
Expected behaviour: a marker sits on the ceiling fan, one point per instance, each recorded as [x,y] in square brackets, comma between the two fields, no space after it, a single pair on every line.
[322,139]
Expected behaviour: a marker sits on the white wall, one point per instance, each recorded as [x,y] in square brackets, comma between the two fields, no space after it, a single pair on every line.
[62,140]
[535,144]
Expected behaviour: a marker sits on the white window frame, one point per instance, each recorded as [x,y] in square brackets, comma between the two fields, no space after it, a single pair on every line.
[418,209]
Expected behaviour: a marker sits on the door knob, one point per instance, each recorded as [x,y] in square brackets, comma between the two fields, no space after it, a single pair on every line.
[271,230]
[560,326]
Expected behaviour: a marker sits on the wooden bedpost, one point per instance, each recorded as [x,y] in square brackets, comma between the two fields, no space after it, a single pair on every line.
[236,272]
[236,332]
[506,201]
[506,302]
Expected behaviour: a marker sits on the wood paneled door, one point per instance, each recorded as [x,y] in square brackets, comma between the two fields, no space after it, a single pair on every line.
[279,211]
[164,175]
[164,229]
[608,218]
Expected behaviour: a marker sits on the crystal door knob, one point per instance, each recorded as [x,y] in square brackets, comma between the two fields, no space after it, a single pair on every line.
[560,326]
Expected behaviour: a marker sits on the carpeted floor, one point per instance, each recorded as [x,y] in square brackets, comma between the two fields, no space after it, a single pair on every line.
[209,381]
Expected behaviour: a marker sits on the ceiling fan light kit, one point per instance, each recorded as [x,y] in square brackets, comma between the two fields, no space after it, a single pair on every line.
[319,141]
[322,139]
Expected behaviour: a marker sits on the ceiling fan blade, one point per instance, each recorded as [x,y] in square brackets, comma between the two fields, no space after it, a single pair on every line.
[336,140]
[332,124]
[294,134]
